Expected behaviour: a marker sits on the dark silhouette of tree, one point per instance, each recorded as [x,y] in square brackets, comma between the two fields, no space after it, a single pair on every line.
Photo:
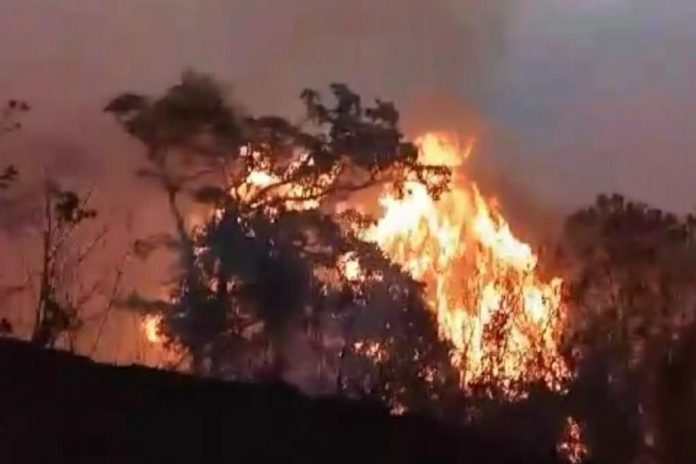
[268,259]
[673,411]
[190,134]
[631,272]
[58,283]
[57,308]
[9,122]
[9,116]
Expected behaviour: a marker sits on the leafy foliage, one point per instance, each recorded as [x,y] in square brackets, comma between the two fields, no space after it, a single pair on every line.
[631,288]
[193,110]
[268,259]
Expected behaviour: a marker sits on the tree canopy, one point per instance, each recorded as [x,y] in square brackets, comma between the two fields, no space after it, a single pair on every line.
[631,291]
[270,256]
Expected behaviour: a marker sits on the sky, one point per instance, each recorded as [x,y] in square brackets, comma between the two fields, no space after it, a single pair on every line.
[568,98]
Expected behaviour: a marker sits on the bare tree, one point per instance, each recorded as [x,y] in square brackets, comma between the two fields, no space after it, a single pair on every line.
[59,302]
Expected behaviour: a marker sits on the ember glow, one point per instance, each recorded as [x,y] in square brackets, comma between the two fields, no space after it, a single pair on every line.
[370,349]
[262,188]
[572,447]
[151,329]
[503,319]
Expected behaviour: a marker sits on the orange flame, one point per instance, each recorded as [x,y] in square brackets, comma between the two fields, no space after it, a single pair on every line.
[261,185]
[503,320]
[151,329]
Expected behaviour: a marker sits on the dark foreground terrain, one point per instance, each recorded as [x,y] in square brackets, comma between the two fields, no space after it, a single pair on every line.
[59,408]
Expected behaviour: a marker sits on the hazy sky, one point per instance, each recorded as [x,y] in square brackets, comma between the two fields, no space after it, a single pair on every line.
[575,97]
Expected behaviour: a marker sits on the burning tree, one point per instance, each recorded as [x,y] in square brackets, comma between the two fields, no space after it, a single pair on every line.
[437,290]
[503,318]
[269,253]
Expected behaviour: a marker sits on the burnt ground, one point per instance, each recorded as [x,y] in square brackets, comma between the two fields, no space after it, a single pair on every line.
[61,408]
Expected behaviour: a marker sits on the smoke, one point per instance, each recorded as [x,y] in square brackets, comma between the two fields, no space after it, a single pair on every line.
[68,59]
[576,97]
[597,94]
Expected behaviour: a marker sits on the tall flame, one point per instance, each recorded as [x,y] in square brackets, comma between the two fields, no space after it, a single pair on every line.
[503,319]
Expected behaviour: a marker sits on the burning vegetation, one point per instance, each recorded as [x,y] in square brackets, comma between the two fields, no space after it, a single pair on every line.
[503,320]
[572,446]
[382,263]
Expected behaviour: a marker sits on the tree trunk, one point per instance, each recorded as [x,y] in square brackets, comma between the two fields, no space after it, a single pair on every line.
[39,333]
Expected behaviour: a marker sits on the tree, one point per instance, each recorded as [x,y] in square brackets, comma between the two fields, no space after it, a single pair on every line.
[58,283]
[631,279]
[673,408]
[270,256]
[9,116]
[58,306]
[9,122]
[190,134]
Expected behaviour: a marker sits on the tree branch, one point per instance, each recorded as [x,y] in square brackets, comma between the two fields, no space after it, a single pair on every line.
[109,305]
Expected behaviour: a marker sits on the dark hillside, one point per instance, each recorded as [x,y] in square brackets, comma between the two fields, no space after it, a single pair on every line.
[59,408]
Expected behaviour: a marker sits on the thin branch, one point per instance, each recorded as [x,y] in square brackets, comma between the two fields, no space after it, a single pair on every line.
[44,288]
[109,305]
[90,247]
[269,188]
[69,228]
[87,296]
[296,176]
[195,176]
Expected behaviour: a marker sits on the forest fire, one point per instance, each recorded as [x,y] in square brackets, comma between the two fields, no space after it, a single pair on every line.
[502,318]
[303,260]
